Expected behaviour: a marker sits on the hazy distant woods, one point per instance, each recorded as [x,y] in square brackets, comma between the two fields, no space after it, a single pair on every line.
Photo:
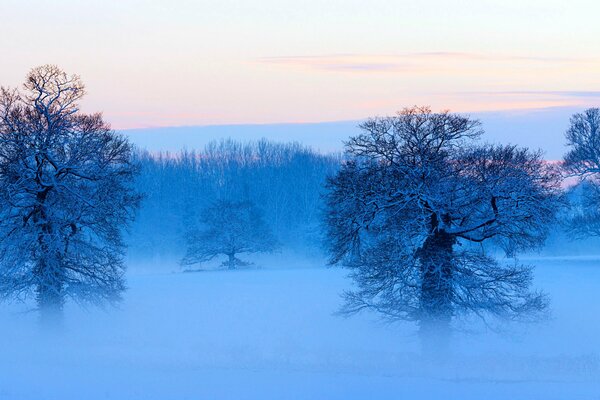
[285,181]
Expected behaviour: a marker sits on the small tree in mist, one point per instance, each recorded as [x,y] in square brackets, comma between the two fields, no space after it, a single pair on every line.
[583,161]
[415,191]
[64,195]
[229,228]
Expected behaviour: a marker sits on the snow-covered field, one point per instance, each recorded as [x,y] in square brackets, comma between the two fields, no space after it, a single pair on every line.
[270,333]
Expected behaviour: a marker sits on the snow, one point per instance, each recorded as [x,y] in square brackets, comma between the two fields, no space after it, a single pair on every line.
[271,333]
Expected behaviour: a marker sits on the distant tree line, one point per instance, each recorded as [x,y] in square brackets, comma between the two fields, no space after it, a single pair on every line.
[283,181]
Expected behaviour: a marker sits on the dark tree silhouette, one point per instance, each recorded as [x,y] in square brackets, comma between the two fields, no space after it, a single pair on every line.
[229,228]
[414,192]
[64,195]
[583,162]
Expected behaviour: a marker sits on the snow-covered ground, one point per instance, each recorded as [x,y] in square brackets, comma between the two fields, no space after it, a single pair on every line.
[270,333]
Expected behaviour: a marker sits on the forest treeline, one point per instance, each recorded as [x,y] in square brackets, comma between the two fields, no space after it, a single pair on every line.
[284,181]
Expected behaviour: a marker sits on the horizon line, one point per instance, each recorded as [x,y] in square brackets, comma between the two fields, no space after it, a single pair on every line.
[531,110]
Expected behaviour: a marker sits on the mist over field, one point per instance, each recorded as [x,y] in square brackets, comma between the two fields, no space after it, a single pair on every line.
[271,328]
[299,199]
[270,332]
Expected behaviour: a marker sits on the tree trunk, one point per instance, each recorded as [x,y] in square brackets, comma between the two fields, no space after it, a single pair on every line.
[436,257]
[231,262]
[50,280]
[50,300]
[48,271]
[50,305]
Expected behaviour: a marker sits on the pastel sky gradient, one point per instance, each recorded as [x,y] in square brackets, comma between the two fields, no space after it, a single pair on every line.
[151,63]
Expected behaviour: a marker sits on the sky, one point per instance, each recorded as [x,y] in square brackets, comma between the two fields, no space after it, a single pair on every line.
[158,63]
[541,129]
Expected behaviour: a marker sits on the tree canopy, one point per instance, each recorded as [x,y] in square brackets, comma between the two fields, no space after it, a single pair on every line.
[65,194]
[229,228]
[413,205]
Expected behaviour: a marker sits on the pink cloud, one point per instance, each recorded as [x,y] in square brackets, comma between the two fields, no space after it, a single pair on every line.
[407,62]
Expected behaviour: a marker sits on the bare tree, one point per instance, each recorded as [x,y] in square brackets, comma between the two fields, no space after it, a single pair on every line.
[65,195]
[414,193]
[583,162]
[229,228]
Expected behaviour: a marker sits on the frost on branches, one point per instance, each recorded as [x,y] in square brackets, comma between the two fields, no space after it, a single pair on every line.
[65,195]
[412,206]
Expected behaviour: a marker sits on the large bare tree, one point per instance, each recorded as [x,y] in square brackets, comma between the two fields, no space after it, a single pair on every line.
[412,206]
[65,195]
